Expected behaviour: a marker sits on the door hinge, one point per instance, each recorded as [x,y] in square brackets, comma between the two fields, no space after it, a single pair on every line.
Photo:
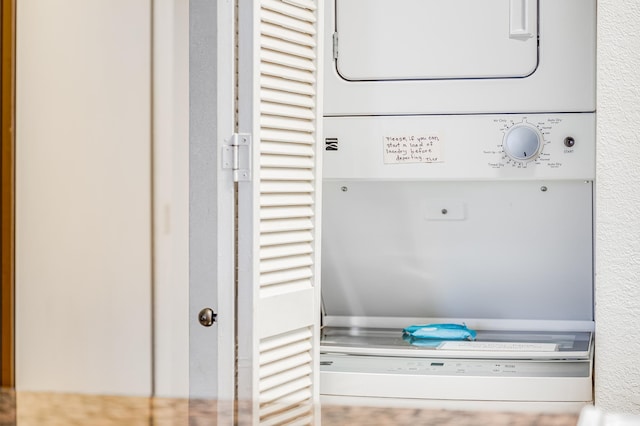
[236,155]
[335,46]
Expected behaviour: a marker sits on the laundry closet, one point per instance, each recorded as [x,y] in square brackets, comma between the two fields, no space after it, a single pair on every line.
[377,165]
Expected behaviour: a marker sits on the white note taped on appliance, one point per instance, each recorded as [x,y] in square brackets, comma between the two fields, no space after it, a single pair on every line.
[412,149]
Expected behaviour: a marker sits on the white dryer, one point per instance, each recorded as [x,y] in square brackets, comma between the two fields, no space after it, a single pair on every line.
[459,174]
[387,57]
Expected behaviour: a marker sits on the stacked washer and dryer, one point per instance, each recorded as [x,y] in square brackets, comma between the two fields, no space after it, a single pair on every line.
[458,188]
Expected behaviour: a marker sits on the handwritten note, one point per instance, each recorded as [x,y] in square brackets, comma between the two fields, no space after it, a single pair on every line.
[412,149]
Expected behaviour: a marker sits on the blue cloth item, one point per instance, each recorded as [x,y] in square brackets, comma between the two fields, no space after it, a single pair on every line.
[423,343]
[438,332]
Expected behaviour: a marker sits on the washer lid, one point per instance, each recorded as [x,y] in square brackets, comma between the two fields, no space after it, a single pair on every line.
[436,39]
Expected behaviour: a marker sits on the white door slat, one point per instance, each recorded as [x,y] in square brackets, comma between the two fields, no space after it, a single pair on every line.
[287,73]
[287,98]
[282,225]
[284,263]
[299,399]
[283,212]
[288,111]
[298,199]
[274,187]
[277,277]
[275,122]
[285,345]
[287,174]
[285,250]
[284,377]
[287,22]
[284,339]
[286,60]
[286,136]
[296,37]
[280,392]
[287,47]
[293,415]
[286,161]
[287,9]
[307,4]
[286,148]
[270,82]
[299,236]
[284,364]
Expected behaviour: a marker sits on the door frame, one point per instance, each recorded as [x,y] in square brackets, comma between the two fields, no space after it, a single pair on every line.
[7,177]
[211,200]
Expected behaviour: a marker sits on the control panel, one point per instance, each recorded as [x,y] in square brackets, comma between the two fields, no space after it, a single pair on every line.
[532,141]
[453,367]
[467,147]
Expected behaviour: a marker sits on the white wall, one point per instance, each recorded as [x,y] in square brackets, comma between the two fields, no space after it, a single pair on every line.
[83,237]
[617,372]
[87,134]
[171,197]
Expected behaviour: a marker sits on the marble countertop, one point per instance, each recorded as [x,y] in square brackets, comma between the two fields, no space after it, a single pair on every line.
[51,409]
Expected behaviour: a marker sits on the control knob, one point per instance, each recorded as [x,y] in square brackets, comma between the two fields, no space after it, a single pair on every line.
[522,142]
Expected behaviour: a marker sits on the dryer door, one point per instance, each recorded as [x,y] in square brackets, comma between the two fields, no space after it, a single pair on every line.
[436,39]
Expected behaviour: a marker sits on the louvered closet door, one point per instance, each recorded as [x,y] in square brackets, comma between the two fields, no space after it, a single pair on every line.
[278,210]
